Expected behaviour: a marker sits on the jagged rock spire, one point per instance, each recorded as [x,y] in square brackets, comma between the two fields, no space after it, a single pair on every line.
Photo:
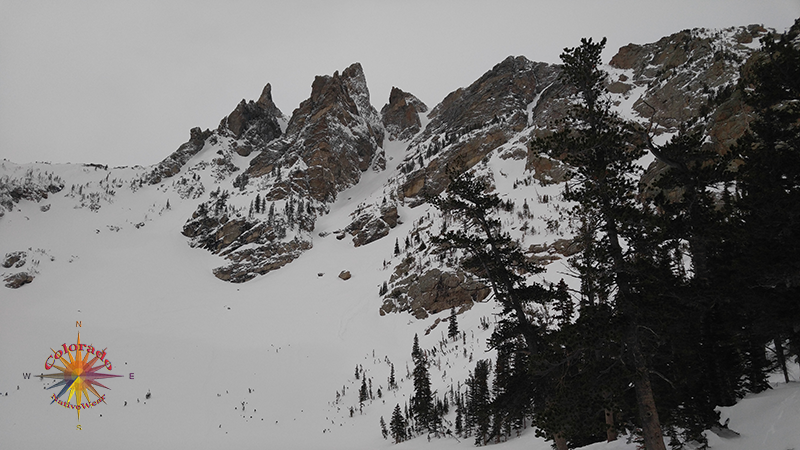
[331,138]
[401,115]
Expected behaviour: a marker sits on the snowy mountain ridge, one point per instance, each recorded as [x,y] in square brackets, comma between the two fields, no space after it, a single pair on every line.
[299,167]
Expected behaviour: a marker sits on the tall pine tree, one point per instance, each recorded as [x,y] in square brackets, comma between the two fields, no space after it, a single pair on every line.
[616,240]
[493,255]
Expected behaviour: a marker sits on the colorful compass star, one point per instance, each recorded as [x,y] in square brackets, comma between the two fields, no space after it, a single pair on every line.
[78,376]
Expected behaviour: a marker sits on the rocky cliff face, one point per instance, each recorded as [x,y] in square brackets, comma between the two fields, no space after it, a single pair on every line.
[401,115]
[251,124]
[431,292]
[690,77]
[469,123]
[173,163]
[369,226]
[331,139]
[33,186]
[255,122]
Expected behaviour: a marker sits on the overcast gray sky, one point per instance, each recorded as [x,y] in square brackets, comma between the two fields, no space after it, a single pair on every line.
[122,82]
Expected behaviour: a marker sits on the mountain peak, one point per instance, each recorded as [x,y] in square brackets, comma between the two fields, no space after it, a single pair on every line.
[401,115]
[256,121]
[265,101]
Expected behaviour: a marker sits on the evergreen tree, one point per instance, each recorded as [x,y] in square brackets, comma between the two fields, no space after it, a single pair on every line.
[397,425]
[514,389]
[492,254]
[738,297]
[500,409]
[616,235]
[363,394]
[700,356]
[384,430]
[271,215]
[562,303]
[479,401]
[766,274]
[452,327]
[422,400]
[392,381]
[459,419]
[497,258]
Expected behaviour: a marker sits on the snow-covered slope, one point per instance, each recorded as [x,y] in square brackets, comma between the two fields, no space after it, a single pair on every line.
[248,365]
[284,344]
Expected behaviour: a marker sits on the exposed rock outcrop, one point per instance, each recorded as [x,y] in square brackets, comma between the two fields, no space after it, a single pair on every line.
[14,259]
[172,164]
[330,140]
[371,226]
[251,124]
[33,187]
[690,77]
[471,122]
[255,122]
[432,292]
[252,245]
[400,116]
[249,262]
[18,280]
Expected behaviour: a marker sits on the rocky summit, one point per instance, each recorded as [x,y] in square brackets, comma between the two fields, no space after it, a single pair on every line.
[331,139]
[401,115]
[257,123]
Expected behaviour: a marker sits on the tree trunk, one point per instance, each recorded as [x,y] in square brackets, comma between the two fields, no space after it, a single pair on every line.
[757,361]
[794,343]
[715,352]
[560,441]
[645,402]
[781,358]
[611,430]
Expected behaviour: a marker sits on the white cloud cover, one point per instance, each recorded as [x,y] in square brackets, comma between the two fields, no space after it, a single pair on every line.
[121,83]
